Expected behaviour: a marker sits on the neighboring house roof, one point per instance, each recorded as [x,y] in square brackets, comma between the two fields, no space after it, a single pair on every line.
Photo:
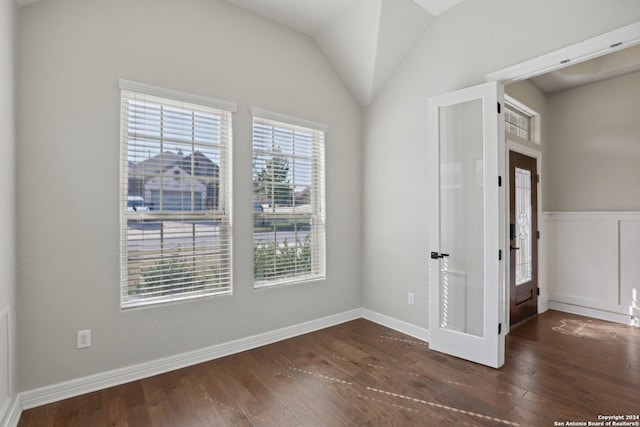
[303,197]
[158,164]
[202,165]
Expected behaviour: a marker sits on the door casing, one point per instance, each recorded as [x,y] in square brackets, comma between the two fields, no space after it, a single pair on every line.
[511,145]
[594,47]
[528,306]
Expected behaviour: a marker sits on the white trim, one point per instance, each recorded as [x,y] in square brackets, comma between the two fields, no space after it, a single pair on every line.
[8,409]
[518,147]
[176,95]
[579,52]
[278,117]
[78,386]
[543,307]
[56,392]
[590,312]
[12,415]
[595,304]
[397,325]
[520,106]
[65,390]
[535,130]
[534,152]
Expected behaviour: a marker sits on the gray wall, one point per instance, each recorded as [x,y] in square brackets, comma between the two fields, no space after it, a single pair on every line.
[71,55]
[7,187]
[594,146]
[457,50]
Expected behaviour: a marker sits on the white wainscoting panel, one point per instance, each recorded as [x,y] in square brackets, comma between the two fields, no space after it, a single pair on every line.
[592,260]
[543,263]
[629,259]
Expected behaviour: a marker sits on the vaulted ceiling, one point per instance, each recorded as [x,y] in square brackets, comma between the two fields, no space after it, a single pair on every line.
[363,39]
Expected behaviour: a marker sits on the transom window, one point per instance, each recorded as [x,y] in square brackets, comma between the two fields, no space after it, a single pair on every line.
[521,121]
[288,199]
[175,196]
[517,122]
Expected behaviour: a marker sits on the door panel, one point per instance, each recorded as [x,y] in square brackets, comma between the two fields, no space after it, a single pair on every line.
[523,227]
[464,280]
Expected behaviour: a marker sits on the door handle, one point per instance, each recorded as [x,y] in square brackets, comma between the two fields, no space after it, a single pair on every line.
[513,248]
[436,255]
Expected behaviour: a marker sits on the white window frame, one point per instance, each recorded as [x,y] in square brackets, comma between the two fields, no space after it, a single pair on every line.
[132,274]
[317,214]
[532,117]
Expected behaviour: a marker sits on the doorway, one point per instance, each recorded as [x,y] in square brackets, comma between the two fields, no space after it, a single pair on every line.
[523,237]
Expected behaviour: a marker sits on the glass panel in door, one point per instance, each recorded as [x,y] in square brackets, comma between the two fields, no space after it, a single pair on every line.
[462,217]
[524,265]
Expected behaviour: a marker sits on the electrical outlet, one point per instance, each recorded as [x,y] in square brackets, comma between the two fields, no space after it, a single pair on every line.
[84,338]
[411,298]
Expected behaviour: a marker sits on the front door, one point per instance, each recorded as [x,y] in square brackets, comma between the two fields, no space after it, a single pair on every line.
[523,230]
[465,287]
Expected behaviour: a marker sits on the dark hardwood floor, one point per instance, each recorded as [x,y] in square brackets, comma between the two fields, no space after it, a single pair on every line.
[559,367]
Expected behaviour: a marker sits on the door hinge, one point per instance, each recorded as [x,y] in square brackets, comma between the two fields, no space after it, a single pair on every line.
[499,181]
[498,108]
[499,254]
[538,291]
[538,235]
[537,178]
[499,328]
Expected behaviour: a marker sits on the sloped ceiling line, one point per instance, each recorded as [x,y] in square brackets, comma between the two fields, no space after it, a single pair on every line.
[364,40]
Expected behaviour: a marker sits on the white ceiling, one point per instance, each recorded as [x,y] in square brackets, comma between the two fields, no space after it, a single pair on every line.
[306,16]
[600,68]
[364,40]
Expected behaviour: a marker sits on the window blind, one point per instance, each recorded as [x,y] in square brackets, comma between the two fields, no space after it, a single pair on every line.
[175,200]
[288,202]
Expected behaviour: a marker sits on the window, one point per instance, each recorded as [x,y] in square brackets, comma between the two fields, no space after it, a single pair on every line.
[175,203]
[288,199]
[521,121]
[516,122]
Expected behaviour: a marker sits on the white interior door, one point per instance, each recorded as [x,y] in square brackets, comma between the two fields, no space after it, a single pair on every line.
[466,293]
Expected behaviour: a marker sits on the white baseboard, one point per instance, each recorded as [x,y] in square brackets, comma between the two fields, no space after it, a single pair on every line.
[79,386]
[397,325]
[10,409]
[590,312]
[543,306]
[12,414]
[65,390]
[76,387]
